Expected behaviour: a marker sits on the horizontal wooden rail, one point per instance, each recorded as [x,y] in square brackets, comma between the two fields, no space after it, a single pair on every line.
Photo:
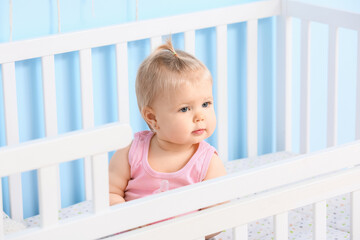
[242,211]
[334,17]
[53,150]
[232,214]
[192,197]
[61,43]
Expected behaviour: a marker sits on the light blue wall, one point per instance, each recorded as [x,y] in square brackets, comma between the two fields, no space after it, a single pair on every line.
[39,18]
[318,74]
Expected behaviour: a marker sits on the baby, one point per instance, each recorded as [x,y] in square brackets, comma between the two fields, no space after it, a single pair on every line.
[174,94]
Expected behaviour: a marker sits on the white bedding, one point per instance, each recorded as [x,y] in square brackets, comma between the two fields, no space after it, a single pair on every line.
[300,220]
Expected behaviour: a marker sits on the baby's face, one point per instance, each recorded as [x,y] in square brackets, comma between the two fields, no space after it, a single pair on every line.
[187,116]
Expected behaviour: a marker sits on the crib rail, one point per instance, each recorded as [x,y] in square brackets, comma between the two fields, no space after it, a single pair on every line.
[46,154]
[293,170]
[68,42]
[242,211]
[49,151]
[47,47]
[334,17]
[283,192]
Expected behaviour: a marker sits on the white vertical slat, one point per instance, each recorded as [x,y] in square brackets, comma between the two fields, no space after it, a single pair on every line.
[49,177]
[50,112]
[319,232]
[332,87]
[100,182]
[86,88]
[283,86]
[1,219]
[189,38]
[252,87]
[305,87]
[48,195]
[288,85]
[87,108]
[355,215]
[240,232]
[122,82]
[155,42]
[12,135]
[222,95]
[49,92]
[281,223]
[358,90]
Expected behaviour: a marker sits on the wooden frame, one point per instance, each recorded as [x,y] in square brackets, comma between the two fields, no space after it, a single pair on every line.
[310,178]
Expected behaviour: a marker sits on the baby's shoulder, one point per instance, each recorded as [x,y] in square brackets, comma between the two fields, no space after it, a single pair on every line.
[121,153]
[206,147]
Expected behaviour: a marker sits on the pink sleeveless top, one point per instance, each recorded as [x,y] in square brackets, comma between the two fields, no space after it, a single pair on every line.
[145,181]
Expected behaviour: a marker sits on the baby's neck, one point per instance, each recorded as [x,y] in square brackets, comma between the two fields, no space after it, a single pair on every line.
[168,157]
[167,146]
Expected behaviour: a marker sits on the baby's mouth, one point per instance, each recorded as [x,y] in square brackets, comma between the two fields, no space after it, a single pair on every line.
[198,132]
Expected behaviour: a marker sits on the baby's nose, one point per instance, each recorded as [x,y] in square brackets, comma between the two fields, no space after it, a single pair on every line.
[199,117]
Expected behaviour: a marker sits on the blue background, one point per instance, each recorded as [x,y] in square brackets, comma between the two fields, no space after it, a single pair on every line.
[40,18]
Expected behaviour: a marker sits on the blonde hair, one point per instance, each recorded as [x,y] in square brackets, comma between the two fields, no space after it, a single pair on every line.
[164,70]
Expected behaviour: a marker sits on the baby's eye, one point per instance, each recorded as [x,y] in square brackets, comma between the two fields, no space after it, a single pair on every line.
[184,109]
[206,104]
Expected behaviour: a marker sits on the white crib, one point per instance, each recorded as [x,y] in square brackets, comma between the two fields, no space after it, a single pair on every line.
[279,183]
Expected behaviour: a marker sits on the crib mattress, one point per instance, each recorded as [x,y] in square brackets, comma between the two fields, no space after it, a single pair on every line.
[300,220]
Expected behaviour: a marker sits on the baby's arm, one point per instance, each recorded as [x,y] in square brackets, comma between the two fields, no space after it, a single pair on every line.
[216,168]
[119,175]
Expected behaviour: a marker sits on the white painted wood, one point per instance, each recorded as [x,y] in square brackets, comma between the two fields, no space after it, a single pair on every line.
[10,103]
[86,88]
[245,184]
[67,147]
[50,108]
[87,107]
[49,92]
[305,87]
[12,135]
[334,17]
[101,182]
[252,88]
[357,134]
[155,42]
[48,195]
[281,224]
[189,38]
[222,91]
[122,82]
[355,215]
[68,42]
[319,220]
[216,218]
[283,82]
[332,103]
[240,232]
[288,85]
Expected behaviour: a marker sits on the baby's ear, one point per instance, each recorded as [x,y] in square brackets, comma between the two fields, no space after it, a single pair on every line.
[150,117]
